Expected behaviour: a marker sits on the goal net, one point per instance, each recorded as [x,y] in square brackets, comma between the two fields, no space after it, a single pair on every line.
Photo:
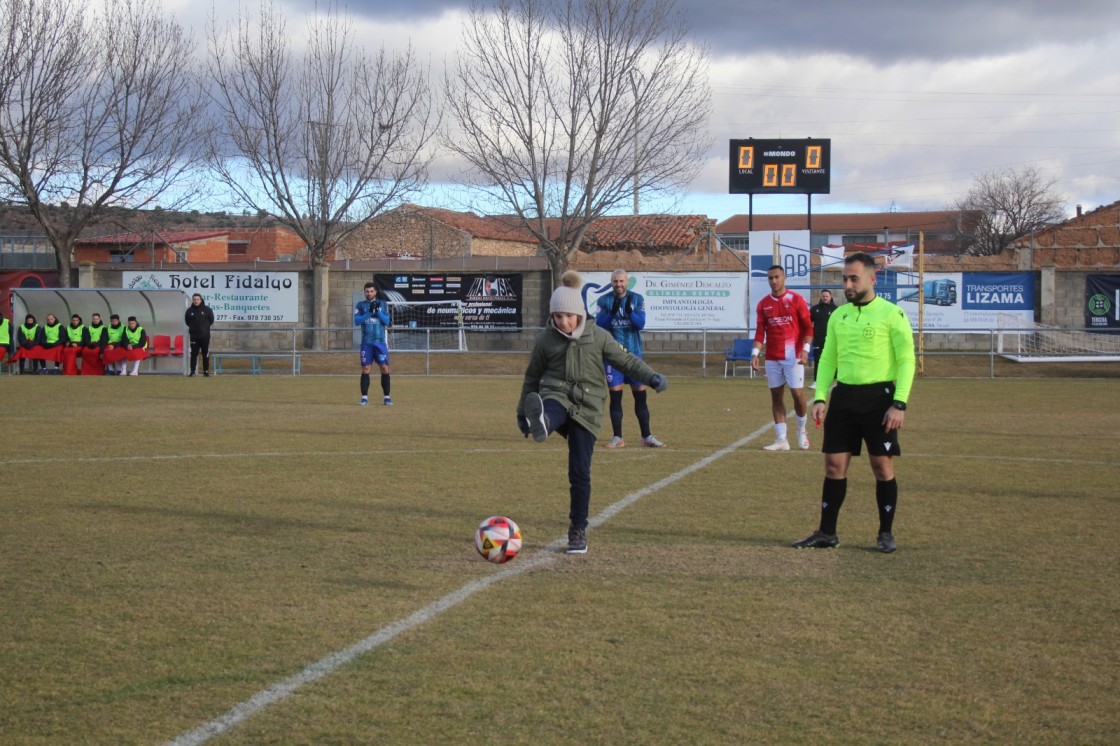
[1029,341]
[427,325]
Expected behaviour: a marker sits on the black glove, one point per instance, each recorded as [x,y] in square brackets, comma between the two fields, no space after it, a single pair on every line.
[523,425]
[629,305]
[659,382]
[614,305]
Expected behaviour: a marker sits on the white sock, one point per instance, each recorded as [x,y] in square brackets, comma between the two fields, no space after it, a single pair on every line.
[801,420]
[780,430]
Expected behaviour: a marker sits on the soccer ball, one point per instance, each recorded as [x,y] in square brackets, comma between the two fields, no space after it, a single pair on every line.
[498,539]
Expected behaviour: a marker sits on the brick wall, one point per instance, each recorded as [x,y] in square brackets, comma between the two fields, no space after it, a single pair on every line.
[207,250]
[267,244]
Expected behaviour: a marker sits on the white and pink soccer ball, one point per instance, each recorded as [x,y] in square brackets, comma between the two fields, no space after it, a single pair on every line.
[498,539]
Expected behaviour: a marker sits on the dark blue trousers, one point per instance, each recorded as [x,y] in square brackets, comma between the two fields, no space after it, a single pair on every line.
[581,446]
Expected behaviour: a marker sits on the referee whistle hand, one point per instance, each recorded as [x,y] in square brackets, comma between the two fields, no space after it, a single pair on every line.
[817,411]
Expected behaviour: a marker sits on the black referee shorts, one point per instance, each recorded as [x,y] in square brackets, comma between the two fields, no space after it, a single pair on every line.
[855,415]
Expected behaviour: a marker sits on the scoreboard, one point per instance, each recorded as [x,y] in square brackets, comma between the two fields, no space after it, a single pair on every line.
[779,166]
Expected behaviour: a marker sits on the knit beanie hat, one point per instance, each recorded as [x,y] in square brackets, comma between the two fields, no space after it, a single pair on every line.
[568,298]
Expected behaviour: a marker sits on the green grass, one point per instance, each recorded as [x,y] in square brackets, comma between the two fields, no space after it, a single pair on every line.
[171,547]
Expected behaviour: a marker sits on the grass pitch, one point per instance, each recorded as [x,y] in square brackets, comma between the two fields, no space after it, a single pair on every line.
[172,547]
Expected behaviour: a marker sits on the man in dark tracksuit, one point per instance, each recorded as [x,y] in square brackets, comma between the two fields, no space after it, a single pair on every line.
[199,319]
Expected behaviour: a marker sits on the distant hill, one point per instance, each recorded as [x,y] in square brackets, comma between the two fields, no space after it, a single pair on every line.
[16,220]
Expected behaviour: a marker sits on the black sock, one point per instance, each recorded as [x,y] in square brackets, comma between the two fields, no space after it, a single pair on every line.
[641,409]
[365,384]
[832,497]
[616,412]
[385,383]
[886,495]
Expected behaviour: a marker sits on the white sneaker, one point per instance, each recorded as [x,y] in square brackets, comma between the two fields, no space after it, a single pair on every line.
[652,442]
[777,445]
[803,440]
[615,442]
[813,385]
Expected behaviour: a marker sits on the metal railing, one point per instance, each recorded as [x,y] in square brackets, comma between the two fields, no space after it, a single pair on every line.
[969,353]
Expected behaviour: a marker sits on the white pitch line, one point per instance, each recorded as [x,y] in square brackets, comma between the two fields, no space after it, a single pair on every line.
[325,666]
[441,451]
[261,454]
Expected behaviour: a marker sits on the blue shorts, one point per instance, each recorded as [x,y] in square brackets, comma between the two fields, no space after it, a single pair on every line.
[374,353]
[615,378]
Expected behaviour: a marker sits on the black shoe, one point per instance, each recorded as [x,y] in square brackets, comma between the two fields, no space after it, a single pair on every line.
[885,543]
[205,374]
[577,540]
[818,540]
[191,374]
[538,423]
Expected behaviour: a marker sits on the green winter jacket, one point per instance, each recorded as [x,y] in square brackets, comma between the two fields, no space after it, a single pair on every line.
[570,370]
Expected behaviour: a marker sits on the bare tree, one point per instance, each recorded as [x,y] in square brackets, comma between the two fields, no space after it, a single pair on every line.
[323,140]
[97,112]
[1006,204]
[566,109]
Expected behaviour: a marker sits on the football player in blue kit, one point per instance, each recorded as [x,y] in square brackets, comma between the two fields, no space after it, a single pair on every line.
[623,314]
[373,316]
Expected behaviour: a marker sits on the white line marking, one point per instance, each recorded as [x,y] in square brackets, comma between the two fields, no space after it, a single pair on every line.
[325,666]
[274,454]
[615,454]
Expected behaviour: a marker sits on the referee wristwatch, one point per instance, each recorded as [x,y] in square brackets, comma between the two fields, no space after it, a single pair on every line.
[899,405]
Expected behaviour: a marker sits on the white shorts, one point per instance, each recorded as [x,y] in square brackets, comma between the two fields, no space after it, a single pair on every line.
[785,373]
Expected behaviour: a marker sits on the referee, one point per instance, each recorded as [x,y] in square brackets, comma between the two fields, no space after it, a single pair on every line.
[869,352]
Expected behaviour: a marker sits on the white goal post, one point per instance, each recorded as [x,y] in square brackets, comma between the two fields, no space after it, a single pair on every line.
[426,325]
[1031,342]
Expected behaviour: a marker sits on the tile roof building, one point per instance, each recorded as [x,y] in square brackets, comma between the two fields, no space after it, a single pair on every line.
[430,233]
[944,230]
[202,246]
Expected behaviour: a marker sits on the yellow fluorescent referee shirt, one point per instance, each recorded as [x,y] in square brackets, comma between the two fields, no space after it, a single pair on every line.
[871,343]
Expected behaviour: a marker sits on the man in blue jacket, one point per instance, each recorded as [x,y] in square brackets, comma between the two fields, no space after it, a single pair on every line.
[623,314]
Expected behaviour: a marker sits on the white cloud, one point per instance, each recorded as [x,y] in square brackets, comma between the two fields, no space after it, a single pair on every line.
[916,98]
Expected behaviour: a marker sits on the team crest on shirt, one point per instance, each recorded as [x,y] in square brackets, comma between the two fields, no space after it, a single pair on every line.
[868,332]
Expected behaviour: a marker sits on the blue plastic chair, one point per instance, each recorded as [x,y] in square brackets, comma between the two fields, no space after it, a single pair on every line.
[739,352]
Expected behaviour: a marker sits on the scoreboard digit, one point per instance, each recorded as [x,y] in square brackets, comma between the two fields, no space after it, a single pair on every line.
[779,166]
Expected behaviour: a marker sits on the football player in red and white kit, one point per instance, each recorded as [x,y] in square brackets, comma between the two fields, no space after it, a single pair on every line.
[784,323]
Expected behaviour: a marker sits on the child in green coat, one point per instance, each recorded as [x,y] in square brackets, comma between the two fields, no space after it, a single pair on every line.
[565,391]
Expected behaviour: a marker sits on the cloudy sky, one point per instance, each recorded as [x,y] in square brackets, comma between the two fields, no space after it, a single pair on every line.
[917,97]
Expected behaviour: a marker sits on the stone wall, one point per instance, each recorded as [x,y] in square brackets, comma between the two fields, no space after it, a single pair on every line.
[405,233]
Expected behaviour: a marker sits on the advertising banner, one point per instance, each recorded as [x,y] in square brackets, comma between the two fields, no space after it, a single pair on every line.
[793,256]
[1102,302]
[490,301]
[260,297]
[961,300]
[685,301]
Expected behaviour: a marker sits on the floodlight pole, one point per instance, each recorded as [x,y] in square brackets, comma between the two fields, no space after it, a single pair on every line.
[634,75]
